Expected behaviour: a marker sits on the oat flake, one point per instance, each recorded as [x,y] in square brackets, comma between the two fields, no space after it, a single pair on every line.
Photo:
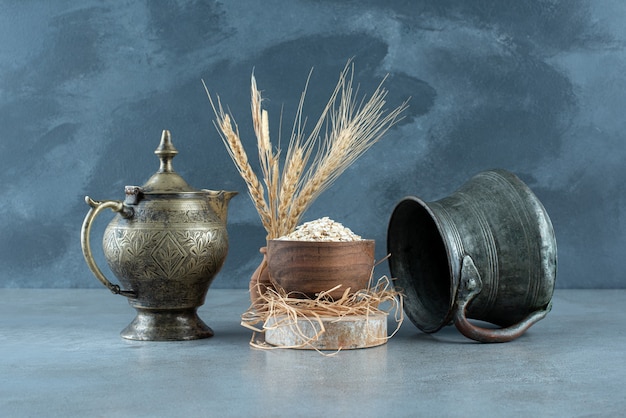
[323,229]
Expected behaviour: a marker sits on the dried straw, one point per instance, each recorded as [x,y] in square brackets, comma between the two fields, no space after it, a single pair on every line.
[296,310]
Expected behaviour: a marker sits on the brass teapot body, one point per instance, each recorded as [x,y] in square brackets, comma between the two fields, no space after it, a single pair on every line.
[165,245]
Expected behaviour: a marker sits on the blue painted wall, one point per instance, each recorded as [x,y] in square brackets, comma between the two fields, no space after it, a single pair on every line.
[86,87]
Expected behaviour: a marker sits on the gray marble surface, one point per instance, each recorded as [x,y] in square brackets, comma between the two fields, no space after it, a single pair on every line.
[61,355]
[86,87]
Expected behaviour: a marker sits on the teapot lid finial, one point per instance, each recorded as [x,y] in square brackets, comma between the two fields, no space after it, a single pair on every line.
[166,180]
[166,152]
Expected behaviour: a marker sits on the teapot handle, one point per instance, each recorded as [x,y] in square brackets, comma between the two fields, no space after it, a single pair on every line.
[469,288]
[96,208]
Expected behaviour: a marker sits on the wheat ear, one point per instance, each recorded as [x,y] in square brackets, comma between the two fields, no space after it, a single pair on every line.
[353,130]
[290,183]
[237,153]
[268,159]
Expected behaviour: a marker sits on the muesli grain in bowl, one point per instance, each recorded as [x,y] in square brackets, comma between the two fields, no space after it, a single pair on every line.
[318,256]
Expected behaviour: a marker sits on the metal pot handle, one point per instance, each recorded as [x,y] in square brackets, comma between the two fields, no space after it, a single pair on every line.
[469,287]
[96,208]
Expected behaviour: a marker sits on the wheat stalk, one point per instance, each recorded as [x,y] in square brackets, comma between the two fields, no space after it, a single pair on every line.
[268,159]
[290,181]
[353,130]
[350,129]
[235,149]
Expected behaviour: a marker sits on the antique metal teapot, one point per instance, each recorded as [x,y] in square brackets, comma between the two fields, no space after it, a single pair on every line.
[165,246]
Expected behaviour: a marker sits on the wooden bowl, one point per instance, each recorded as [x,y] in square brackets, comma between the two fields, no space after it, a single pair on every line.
[311,267]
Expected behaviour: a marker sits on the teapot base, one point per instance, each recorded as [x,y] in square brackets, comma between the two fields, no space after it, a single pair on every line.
[166,325]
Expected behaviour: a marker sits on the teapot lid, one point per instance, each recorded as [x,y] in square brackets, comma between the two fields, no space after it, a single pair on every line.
[166,180]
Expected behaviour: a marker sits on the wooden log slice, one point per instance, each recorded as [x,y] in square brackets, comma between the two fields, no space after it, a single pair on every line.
[346,333]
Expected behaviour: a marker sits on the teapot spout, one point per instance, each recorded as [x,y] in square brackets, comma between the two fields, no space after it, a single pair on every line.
[218,200]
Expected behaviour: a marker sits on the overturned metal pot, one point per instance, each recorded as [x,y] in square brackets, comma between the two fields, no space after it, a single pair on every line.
[486,252]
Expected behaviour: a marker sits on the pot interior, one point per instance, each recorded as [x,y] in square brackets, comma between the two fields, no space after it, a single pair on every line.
[419,264]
